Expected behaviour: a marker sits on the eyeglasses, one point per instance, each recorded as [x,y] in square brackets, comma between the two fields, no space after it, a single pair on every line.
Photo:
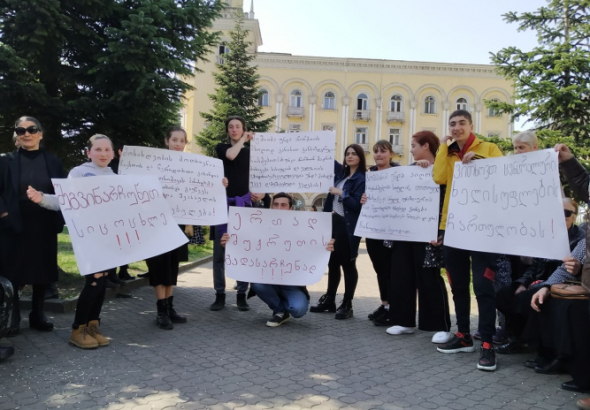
[21,130]
[568,213]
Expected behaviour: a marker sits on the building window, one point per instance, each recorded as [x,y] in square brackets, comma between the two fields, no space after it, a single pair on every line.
[319,203]
[221,51]
[296,99]
[429,105]
[329,101]
[494,134]
[462,104]
[263,98]
[328,127]
[396,103]
[395,136]
[361,136]
[362,102]
[294,127]
[494,112]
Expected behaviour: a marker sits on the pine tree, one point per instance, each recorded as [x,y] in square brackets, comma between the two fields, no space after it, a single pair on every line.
[552,80]
[237,93]
[99,66]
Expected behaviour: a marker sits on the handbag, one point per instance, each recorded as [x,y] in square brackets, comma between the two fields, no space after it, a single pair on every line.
[569,291]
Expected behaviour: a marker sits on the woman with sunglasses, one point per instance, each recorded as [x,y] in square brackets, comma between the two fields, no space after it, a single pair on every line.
[28,232]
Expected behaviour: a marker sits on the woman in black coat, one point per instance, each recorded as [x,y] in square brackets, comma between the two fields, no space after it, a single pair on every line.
[28,233]
[344,201]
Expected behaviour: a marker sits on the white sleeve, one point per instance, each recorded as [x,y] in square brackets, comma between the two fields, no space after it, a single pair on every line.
[50,202]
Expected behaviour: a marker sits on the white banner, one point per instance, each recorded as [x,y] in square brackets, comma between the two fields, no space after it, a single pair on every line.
[115,220]
[292,162]
[191,183]
[277,247]
[402,205]
[509,205]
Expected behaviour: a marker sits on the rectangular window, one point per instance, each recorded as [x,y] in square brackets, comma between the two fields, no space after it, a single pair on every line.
[294,127]
[494,134]
[395,136]
[328,127]
[361,135]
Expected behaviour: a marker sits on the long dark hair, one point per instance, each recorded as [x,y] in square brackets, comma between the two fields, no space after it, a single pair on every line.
[235,117]
[360,152]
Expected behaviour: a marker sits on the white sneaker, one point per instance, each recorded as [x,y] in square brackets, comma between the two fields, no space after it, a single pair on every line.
[400,330]
[442,337]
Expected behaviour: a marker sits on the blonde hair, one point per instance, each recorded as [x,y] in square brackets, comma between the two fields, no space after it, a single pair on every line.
[95,138]
[573,203]
[526,137]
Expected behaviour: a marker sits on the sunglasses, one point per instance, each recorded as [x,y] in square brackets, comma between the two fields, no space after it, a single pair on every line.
[21,130]
[568,213]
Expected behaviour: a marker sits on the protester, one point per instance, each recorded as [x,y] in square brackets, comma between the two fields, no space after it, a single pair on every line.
[25,225]
[380,251]
[85,331]
[461,263]
[410,275]
[344,203]
[236,166]
[284,301]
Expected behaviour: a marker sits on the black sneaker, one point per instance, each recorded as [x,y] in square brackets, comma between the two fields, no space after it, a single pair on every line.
[487,357]
[326,303]
[377,312]
[278,319]
[383,320]
[459,343]
[241,302]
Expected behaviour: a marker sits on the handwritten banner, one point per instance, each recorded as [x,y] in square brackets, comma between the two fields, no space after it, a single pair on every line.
[402,205]
[115,220]
[293,162]
[510,205]
[191,183]
[277,247]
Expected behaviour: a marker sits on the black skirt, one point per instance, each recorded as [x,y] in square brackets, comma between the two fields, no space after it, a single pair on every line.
[30,257]
[163,269]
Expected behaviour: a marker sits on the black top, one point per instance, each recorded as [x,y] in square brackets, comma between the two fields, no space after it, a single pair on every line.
[33,172]
[237,171]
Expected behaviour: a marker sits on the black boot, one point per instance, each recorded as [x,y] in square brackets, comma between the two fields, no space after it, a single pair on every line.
[326,303]
[163,320]
[241,302]
[13,330]
[219,302]
[344,310]
[112,276]
[37,318]
[124,273]
[174,317]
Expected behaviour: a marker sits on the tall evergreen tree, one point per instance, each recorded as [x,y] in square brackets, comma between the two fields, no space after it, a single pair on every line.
[237,92]
[99,66]
[552,81]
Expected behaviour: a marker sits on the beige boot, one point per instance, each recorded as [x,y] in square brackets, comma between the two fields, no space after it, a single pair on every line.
[95,333]
[82,339]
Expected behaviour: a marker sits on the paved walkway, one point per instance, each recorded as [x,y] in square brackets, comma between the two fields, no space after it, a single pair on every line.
[231,360]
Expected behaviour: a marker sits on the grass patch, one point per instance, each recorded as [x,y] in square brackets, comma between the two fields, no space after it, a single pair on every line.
[71,282]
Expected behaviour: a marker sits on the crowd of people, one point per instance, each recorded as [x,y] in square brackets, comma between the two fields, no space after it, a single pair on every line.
[518,288]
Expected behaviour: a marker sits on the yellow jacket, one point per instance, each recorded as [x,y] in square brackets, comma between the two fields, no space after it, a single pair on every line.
[444,166]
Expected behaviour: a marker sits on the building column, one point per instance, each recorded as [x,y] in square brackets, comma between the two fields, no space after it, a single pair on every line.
[510,128]
[478,118]
[379,119]
[413,104]
[445,119]
[344,135]
[279,113]
[312,101]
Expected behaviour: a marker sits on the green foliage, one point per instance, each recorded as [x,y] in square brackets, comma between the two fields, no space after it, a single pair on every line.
[99,66]
[237,93]
[552,80]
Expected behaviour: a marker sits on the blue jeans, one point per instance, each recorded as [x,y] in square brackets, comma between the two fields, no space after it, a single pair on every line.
[282,299]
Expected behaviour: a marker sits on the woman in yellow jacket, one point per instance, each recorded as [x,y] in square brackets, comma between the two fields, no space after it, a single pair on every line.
[460,263]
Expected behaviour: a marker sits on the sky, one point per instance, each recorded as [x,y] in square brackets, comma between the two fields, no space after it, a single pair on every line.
[451,31]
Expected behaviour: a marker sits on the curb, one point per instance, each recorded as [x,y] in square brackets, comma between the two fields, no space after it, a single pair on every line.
[69,305]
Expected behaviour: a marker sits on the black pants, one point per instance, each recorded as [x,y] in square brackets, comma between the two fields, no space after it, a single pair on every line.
[409,275]
[381,259]
[91,299]
[341,257]
[460,264]
[513,307]
[37,299]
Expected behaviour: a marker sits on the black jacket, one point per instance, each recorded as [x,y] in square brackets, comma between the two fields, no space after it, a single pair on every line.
[9,182]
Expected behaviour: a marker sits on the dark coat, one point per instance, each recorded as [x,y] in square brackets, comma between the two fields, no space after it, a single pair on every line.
[578,178]
[9,185]
[352,192]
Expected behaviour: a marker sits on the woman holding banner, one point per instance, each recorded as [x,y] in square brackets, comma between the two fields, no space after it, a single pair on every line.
[25,226]
[416,268]
[85,331]
[344,201]
[379,250]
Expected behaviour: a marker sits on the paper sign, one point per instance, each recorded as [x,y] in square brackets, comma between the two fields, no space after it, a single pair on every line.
[293,162]
[276,246]
[191,183]
[510,205]
[116,220]
[402,205]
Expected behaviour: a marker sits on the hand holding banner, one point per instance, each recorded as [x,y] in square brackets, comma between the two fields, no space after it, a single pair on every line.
[276,246]
[115,220]
[191,183]
[509,205]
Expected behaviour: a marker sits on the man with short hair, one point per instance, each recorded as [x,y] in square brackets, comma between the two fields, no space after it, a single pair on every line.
[284,301]
[465,147]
